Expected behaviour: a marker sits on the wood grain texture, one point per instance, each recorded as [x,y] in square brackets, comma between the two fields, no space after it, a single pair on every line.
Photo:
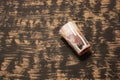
[32,49]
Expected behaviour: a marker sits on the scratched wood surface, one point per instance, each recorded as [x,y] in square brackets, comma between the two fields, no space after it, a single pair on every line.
[32,49]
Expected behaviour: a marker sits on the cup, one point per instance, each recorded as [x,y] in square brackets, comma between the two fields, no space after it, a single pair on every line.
[71,33]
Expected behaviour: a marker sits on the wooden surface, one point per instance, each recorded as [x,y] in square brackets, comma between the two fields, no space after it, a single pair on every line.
[32,49]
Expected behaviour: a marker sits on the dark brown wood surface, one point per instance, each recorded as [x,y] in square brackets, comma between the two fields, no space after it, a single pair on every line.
[32,49]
